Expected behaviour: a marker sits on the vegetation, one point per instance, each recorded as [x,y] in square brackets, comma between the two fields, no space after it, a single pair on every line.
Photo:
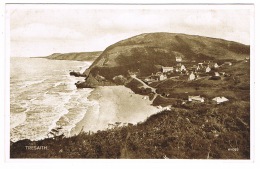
[199,132]
[82,56]
[189,130]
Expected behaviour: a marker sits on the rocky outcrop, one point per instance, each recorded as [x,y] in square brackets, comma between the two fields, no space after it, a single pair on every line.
[92,82]
[77,74]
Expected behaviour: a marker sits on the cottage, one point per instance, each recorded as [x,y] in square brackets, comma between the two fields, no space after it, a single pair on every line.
[216,65]
[228,63]
[222,73]
[178,58]
[198,68]
[200,65]
[151,79]
[192,76]
[162,77]
[208,69]
[183,68]
[180,68]
[216,74]
[167,69]
[219,100]
[196,99]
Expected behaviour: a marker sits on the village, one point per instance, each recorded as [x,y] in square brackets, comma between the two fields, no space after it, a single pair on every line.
[189,71]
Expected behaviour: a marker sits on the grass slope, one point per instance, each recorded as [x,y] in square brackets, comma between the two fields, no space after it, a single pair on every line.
[198,132]
[82,56]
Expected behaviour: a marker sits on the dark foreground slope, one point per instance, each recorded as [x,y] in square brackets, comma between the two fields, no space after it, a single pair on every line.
[198,132]
[82,56]
[145,53]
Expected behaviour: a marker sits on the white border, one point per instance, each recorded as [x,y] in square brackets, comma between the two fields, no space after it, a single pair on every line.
[4,63]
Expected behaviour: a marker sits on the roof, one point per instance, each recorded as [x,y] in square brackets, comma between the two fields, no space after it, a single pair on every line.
[220,99]
[167,67]
[198,98]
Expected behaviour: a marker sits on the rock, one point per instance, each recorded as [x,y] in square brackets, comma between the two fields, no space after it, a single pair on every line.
[76,74]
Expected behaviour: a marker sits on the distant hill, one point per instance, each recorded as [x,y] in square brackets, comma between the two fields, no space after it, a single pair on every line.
[82,56]
[145,52]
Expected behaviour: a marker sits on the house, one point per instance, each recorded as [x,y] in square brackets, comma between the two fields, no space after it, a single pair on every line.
[196,99]
[219,100]
[167,69]
[216,74]
[191,76]
[222,73]
[162,77]
[200,65]
[198,68]
[183,68]
[151,79]
[227,63]
[216,65]
[180,67]
[208,69]
[178,58]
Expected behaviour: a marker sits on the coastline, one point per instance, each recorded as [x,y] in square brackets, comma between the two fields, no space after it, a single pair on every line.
[113,104]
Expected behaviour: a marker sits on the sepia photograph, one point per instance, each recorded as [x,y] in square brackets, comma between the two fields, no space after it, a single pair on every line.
[130,81]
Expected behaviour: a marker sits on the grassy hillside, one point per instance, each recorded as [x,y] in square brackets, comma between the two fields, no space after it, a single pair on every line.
[143,53]
[197,132]
[82,56]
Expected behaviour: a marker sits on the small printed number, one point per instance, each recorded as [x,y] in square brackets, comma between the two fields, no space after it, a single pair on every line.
[233,149]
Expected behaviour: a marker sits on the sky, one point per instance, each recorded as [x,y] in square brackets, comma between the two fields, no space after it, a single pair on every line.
[40,30]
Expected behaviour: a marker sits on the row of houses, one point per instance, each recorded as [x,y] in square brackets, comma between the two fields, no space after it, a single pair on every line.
[193,72]
[217,100]
[196,68]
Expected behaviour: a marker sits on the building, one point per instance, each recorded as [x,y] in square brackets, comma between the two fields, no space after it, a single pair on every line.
[167,69]
[183,68]
[219,100]
[162,77]
[222,73]
[208,69]
[216,65]
[196,99]
[227,63]
[198,68]
[178,58]
[216,74]
[191,76]
[200,65]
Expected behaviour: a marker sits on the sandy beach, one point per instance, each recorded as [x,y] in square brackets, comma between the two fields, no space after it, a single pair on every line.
[114,104]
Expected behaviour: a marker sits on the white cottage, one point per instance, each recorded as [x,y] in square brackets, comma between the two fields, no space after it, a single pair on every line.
[208,69]
[162,77]
[178,58]
[167,69]
[196,98]
[183,68]
[219,100]
[192,76]
[216,65]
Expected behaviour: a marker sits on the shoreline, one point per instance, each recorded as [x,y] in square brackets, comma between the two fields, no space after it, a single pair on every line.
[113,104]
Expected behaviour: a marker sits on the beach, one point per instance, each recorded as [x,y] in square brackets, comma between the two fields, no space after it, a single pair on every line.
[113,104]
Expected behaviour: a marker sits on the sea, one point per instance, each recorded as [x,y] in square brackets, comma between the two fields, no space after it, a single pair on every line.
[43,98]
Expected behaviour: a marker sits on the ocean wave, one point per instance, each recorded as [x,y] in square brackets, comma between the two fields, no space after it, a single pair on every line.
[30,83]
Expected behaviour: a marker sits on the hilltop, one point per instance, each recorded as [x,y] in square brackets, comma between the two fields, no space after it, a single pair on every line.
[81,56]
[146,53]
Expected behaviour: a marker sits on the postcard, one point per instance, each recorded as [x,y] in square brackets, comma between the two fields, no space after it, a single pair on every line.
[130,81]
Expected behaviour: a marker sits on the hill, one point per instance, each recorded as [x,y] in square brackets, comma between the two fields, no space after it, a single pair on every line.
[146,52]
[81,56]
